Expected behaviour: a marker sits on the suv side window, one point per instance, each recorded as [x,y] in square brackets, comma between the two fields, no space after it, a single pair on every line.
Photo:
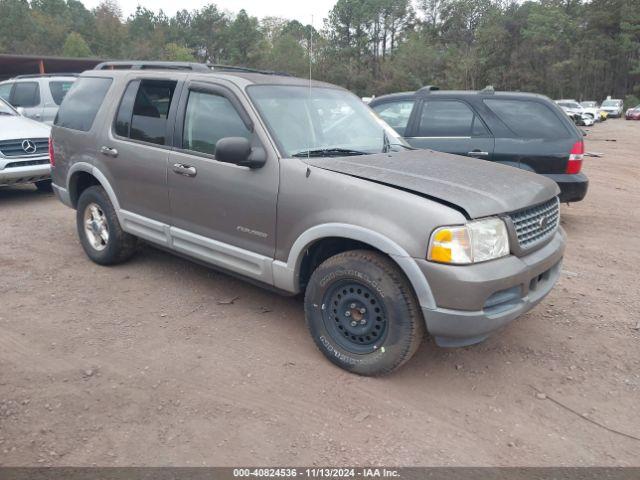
[449,118]
[209,118]
[527,119]
[396,114]
[59,90]
[144,109]
[5,91]
[26,94]
[81,106]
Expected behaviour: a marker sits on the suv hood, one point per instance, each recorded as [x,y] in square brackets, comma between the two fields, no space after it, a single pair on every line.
[16,127]
[479,187]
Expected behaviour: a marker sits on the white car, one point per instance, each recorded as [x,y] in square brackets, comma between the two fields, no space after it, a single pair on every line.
[577,112]
[591,108]
[613,107]
[24,150]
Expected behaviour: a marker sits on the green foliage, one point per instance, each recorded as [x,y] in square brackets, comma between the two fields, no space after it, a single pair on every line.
[582,49]
[75,46]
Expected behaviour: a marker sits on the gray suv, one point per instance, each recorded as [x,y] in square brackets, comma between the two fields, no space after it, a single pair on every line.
[299,186]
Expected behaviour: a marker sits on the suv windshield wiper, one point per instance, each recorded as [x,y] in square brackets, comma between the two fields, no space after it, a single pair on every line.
[386,144]
[329,152]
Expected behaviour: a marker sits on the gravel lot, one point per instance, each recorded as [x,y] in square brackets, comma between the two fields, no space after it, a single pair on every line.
[155,363]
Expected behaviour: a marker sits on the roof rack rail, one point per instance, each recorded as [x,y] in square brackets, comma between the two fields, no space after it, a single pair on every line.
[428,89]
[235,68]
[148,65]
[36,75]
[192,66]
[488,90]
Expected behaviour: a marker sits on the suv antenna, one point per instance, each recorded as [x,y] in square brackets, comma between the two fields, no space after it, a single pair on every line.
[310,66]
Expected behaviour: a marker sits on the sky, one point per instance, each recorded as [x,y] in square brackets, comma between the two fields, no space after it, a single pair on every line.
[300,10]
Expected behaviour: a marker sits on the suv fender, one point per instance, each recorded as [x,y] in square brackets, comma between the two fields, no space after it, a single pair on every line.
[286,276]
[98,175]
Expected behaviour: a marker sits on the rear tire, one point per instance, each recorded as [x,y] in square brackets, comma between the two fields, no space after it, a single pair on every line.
[99,230]
[44,186]
[362,313]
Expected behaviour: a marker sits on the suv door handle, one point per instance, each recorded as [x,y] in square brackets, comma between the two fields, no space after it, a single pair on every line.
[478,153]
[109,152]
[186,170]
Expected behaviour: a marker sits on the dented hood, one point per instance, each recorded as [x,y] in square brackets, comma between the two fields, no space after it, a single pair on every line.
[478,187]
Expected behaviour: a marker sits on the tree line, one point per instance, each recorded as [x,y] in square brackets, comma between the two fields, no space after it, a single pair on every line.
[562,48]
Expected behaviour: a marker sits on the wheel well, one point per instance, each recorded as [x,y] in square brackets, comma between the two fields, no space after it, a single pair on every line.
[79,182]
[323,249]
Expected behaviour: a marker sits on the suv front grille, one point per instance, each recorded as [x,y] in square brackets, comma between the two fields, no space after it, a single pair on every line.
[536,224]
[13,148]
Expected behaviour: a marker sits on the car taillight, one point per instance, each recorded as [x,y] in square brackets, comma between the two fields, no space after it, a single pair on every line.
[52,158]
[574,165]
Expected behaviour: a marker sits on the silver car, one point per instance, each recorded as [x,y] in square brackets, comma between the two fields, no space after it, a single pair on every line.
[37,96]
[24,150]
[299,186]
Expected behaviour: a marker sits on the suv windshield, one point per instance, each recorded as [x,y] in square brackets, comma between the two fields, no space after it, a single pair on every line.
[610,103]
[321,121]
[6,109]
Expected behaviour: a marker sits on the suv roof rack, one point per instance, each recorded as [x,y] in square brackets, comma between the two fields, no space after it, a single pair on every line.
[37,75]
[193,66]
[428,89]
[146,65]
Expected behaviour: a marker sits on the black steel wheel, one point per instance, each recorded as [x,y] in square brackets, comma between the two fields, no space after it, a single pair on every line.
[362,313]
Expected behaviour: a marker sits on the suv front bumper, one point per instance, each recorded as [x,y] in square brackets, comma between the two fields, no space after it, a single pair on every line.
[474,300]
[14,171]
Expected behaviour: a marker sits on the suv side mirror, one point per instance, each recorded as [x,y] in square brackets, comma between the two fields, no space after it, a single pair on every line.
[20,111]
[237,150]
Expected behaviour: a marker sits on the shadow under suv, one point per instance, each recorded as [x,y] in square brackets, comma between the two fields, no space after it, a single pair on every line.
[523,130]
[299,186]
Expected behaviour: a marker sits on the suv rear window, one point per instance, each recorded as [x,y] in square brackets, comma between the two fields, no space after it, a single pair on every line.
[81,105]
[528,119]
[449,118]
[144,109]
[59,90]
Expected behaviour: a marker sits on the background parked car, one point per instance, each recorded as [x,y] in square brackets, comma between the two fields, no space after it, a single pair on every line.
[24,150]
[576,112]
[519,129]
[633,113]
[613,107]
[37,96]
[594,109]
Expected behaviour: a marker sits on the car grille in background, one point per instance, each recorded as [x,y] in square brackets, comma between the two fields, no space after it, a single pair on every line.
[28,163]
[13,148]
[536,224]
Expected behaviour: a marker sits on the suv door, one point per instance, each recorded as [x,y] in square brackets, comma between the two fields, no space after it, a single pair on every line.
[230,209]
[450,126]
[135,152]
[27,95]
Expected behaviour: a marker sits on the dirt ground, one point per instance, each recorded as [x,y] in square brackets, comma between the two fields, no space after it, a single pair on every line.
[149,364]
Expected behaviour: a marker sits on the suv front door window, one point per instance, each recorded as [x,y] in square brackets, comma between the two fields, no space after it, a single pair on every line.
[451,126]
[396,114]
[230,204]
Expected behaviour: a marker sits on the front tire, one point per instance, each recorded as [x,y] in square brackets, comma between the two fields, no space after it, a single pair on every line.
[362,313]
[99,230]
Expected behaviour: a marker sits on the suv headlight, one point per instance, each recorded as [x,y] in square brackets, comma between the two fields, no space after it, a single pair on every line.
[474,242]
